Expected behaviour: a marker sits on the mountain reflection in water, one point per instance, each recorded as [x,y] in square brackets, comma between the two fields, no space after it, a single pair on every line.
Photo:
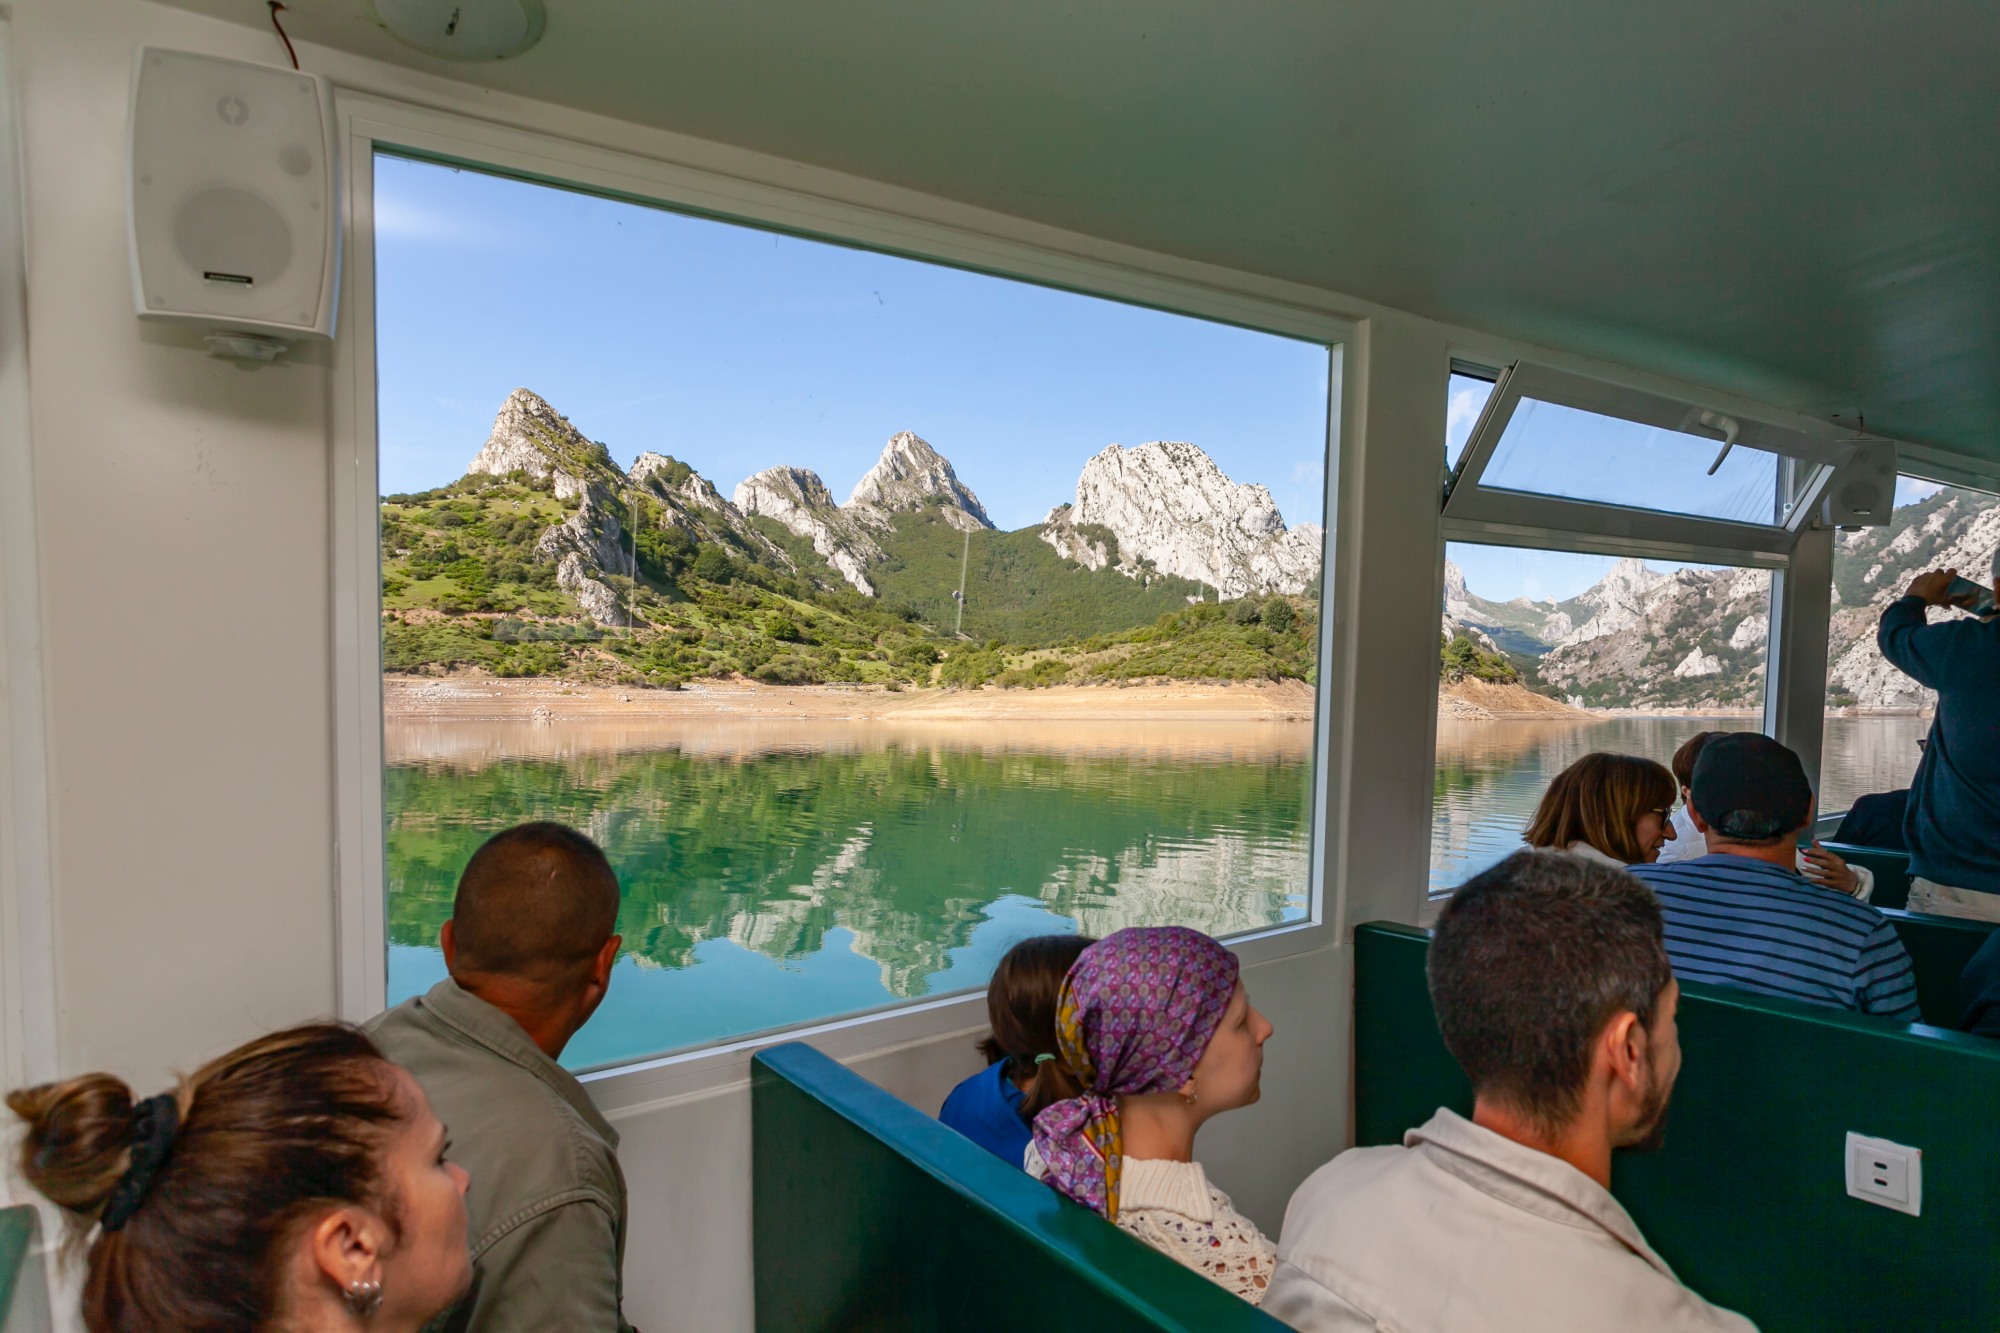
[781,873]
[778,875]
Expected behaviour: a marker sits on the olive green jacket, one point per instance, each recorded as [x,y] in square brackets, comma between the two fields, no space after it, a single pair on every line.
[547,1202]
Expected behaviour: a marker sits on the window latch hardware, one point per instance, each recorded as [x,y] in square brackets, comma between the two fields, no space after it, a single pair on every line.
[1728,427]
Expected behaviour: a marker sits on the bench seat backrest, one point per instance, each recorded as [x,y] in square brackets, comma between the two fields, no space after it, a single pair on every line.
[869,1215]
[24,1288]
[1940,947]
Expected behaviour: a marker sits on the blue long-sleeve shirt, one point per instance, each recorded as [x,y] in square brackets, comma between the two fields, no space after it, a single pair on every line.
[1952,825]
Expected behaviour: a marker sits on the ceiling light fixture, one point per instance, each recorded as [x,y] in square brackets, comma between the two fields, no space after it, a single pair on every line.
[464,29]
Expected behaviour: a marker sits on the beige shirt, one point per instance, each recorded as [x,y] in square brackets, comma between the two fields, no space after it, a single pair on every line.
[1464,1231]
[547,1202]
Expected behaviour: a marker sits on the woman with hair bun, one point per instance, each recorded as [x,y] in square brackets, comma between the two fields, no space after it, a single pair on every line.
[994,1107]
[298,1182]
[1156,1026]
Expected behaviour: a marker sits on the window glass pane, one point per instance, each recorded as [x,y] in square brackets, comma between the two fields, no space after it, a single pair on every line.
[1465,399]
[1876,714]
[1571,454]
[850,717]
[1550,655]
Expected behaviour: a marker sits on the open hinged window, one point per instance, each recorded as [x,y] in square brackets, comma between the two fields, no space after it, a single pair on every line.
[1557,450]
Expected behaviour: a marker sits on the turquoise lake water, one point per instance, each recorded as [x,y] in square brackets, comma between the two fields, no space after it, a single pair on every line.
[779,878]
[776,884]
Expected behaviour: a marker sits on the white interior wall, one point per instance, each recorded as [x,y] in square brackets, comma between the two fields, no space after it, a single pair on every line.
[184,567]
[182,537]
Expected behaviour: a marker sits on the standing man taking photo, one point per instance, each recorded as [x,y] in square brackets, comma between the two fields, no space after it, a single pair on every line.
[1952,824]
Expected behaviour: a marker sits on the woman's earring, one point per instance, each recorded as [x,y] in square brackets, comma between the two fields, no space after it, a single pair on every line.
[1190,1097]
[363,1298]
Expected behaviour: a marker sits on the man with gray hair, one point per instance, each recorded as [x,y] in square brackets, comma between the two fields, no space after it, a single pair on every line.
[1952,822]
[1550,981]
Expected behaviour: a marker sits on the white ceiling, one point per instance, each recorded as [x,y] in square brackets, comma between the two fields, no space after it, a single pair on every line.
[1798,200]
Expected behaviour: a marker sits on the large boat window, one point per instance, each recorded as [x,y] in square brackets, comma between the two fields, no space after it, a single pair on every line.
[1876,714]
[872,614]
[1548,655]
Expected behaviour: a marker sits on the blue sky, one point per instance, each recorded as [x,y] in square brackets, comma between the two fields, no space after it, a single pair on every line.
[735,350]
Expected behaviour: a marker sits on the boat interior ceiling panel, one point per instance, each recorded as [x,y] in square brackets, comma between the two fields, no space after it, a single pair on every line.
[1789,203]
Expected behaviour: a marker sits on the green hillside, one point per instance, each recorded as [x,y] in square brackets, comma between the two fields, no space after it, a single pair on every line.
[1017,588]
[466,583]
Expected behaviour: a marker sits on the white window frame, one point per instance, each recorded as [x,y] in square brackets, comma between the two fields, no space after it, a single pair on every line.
[1919,463]
[1799,555]
[747,191]
[1468,500]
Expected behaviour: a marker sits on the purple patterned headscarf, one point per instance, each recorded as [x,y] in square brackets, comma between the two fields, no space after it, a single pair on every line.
[1136,1011]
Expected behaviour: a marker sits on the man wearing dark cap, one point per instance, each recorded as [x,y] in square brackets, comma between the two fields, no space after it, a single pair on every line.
[530,946]
[1743,916]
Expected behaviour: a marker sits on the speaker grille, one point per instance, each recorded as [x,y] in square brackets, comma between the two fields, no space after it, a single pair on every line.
[1862,496]
[231,236]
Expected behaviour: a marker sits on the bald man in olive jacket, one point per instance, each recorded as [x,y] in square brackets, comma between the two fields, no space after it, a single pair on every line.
[529,946]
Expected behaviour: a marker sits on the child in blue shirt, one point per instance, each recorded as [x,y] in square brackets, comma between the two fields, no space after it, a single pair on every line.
[996,1107]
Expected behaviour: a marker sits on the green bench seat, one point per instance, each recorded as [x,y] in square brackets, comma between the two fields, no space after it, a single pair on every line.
[1940,947]
[867,1214]
[1748,1199]
[24,1293]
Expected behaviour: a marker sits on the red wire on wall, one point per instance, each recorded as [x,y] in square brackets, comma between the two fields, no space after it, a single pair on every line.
[276,6]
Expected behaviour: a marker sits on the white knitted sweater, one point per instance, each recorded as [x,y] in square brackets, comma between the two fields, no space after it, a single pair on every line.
[1172,1207]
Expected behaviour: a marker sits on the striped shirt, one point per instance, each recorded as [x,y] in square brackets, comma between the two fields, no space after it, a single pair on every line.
[1735,921]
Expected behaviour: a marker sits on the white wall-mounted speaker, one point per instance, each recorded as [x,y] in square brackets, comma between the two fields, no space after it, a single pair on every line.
[232,200]
[1862,493]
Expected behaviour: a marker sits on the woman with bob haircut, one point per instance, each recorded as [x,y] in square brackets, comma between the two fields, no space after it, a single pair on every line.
[1612,808]
[1023,1074]
[1161,1036]
[297,1183]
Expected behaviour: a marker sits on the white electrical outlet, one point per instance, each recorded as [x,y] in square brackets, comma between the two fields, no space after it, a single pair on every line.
[1891,1174]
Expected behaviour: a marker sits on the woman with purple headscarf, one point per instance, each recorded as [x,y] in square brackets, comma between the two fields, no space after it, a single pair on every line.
[1161,1034]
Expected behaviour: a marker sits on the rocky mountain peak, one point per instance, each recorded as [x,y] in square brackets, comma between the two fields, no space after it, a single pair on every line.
[797,499]
[1173,510]
[909,476]
[799,487]
[1627,579]
[1454,588]
[531,437]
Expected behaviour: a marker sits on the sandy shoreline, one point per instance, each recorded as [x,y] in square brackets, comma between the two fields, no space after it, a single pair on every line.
[474,720]
[478,698]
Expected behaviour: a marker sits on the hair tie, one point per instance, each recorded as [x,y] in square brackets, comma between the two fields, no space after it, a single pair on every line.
[1043,1058]
[154,1122]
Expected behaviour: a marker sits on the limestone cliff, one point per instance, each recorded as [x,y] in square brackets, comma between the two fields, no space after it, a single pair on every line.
[594,542]
[910,475]
[797,499]
[1170,509]
[1872,567]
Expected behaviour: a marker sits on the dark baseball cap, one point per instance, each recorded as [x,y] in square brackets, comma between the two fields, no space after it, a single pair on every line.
[1750,787]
